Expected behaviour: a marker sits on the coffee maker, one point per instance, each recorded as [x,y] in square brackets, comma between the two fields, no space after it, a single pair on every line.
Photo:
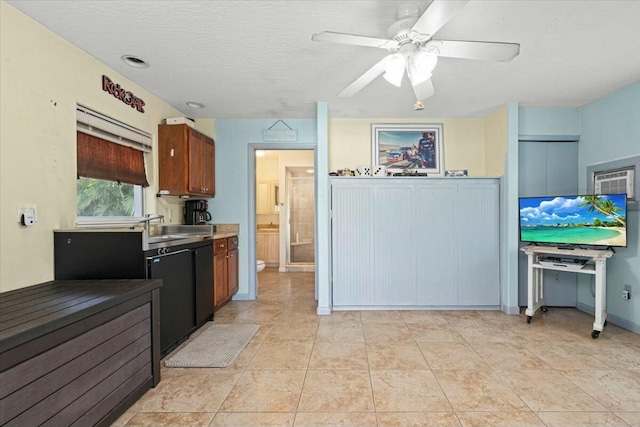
[195,212]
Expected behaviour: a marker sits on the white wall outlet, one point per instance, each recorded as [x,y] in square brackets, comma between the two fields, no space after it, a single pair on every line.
[27,210]
[626,292]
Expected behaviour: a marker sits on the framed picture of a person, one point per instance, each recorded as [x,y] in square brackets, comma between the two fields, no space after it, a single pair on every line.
[411,148]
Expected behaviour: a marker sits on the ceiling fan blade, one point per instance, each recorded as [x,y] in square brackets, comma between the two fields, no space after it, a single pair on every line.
[366,78]
[437,14]
[488,51]
[352,39]
[424,90]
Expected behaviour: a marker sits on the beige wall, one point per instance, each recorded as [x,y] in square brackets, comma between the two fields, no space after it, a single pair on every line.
[42,78]
[463,143]
[496,139]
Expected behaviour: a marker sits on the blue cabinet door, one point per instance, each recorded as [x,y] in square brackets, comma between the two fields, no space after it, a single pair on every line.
[548,169]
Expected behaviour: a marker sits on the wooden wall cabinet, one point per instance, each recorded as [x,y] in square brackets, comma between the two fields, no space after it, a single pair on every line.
[225,268]
[186,161]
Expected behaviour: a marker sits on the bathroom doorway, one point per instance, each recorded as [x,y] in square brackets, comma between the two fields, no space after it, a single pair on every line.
[285,209]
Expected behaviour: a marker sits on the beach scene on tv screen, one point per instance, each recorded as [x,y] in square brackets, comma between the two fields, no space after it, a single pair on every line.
[579,220]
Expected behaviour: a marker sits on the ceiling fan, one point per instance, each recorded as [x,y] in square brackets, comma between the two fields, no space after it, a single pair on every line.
[412,48]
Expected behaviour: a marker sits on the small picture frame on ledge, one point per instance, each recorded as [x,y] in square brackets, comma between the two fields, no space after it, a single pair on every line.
[456,173]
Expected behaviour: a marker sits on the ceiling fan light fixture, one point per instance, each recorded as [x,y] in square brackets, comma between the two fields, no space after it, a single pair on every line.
[421,65]
[395,70]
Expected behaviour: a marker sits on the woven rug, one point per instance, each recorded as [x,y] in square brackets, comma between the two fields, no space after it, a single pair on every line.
[216,347]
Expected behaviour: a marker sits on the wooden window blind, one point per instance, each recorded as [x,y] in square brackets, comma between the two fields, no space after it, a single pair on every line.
[102,159]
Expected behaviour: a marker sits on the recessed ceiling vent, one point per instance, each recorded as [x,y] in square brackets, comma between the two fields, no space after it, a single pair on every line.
[134,61]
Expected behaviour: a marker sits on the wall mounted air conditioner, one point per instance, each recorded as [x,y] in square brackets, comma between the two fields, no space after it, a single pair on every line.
[615,182]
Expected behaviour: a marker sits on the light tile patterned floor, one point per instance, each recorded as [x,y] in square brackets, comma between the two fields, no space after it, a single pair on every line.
[402,368]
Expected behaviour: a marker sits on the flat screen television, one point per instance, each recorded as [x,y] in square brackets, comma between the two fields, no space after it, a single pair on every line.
[587,220]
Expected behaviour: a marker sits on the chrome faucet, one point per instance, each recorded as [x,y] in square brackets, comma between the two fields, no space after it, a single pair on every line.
[147,220]
[150,217]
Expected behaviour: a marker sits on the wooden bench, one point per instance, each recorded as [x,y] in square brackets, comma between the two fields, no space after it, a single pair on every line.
[77,352]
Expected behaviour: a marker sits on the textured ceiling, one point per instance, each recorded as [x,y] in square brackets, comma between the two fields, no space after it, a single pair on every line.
[255,59]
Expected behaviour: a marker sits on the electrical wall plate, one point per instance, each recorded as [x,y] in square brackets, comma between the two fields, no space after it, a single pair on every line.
[30,209]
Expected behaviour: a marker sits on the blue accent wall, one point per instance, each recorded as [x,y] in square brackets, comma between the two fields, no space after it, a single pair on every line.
[548,121]
[610,130]
[231,203]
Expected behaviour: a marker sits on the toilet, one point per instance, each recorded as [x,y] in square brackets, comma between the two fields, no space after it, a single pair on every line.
[259,266]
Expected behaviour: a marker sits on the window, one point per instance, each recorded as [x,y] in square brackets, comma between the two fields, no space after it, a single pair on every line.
[111,168]
[100,198]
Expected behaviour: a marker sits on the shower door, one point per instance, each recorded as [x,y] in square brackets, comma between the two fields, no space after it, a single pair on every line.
[300,215]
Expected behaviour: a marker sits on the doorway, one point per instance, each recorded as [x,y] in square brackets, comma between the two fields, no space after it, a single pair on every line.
[281,209]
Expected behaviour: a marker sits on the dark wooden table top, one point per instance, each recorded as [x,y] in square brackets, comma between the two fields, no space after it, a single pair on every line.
[31,312]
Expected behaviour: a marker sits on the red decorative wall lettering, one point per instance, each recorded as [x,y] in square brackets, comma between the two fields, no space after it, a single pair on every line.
[123,95]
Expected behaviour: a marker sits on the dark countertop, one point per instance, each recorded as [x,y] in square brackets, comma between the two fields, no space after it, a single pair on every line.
[31,312]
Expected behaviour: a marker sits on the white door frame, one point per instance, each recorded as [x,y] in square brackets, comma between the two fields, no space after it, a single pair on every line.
[252,235]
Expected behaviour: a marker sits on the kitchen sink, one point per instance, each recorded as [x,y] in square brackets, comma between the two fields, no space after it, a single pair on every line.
[160,235]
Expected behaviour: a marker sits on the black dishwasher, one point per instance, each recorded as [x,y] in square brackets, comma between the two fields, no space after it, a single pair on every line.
[186,270]
[176,295]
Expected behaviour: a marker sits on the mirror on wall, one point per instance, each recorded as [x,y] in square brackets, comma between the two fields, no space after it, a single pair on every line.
[268,197]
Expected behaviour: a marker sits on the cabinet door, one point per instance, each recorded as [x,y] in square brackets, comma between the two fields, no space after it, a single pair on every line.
[204,282]
[477,245]
[172,159]
[232,271]
[261,246]
[196,174]
[208,166]
[352,243]
[273,249]
[221,291]
[395,247]
[433,231]
[548,169]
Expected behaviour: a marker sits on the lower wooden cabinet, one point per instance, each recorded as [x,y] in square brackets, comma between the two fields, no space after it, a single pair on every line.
[232,271]
[268,248]
[225,268]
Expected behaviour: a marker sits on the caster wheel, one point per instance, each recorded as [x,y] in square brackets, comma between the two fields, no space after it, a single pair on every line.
[595,334]
[529,319]
[544,309]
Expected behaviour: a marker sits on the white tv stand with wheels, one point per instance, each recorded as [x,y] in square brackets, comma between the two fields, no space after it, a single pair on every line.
[589,261]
